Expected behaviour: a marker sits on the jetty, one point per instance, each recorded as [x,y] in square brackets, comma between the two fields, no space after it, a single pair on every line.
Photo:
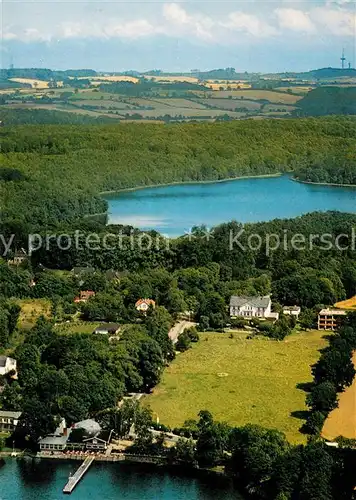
[77,476]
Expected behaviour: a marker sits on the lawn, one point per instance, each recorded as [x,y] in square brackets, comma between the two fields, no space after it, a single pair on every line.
[31,310]
[347,304]
[240,381]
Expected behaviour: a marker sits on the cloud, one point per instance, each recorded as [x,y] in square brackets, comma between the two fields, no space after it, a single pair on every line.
[248,23]
[184,23]
[295,20]
[337,22]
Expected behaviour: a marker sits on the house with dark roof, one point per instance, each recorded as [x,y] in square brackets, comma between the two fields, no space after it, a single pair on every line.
[251,307]
[56,441]
[108,329]
[9,420]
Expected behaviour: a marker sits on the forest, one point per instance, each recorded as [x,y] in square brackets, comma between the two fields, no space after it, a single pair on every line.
[66,167]
[328,101]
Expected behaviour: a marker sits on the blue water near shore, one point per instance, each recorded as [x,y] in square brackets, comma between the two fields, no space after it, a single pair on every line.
[173,210]
[44,480]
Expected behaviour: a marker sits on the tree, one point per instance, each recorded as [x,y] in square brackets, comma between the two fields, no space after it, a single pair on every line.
[323,397]
[184,452]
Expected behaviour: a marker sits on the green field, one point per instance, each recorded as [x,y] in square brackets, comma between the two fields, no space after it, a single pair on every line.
[240,381]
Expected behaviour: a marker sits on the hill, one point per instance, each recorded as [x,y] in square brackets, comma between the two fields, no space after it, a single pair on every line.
[328,101]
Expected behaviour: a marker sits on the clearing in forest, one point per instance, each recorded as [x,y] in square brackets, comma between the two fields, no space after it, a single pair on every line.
[259,385]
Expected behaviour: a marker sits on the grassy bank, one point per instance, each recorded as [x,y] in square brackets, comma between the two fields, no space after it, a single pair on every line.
[240,381]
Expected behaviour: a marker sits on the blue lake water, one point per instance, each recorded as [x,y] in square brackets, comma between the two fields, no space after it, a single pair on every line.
[173,210]
[44,480]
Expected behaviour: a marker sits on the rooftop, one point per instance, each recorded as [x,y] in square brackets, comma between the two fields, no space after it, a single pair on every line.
[3,360]
[10,414]
[54,440]
[108,327]
[238,301]
[291,308]
[333,312]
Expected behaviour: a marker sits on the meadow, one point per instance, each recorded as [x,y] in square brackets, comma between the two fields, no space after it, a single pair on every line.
[240,381]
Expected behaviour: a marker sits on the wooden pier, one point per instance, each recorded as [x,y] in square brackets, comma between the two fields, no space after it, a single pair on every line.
[74,480]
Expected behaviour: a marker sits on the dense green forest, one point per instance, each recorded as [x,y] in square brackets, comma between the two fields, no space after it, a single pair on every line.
[10,117]
[328,101]
[66,167]
[337,169]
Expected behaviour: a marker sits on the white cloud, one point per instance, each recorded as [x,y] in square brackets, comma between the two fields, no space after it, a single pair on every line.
[295,20]
[176,14]
[248,23]
[188,22]
[337,22]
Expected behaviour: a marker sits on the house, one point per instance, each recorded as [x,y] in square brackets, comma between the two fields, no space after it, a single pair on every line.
[19,258]
[292,311]
[9,420]
[84,296]
[108,329]
[330,319]
[142,305]
[251,307]
[8,365]
[99,442]
[56,441]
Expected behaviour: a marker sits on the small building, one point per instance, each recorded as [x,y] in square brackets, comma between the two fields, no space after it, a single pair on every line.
[9,420]
[108,329]
[142,305]
[99,442]
[251,307]
[292,311]
[19,258]
[84,296]
[8,365]
[330,319]
[56,441]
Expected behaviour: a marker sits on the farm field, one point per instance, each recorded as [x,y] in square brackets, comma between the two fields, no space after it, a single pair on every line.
[273,97]
[240,381]
[232,104]
[40,84]
[342,420]
[347,304]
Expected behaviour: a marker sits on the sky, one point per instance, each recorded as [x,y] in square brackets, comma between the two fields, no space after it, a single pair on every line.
[117,35]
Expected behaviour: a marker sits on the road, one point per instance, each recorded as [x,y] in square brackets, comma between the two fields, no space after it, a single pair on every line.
[178,328]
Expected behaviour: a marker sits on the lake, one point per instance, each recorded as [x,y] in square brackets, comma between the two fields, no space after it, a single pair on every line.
[173,210]
[44,480]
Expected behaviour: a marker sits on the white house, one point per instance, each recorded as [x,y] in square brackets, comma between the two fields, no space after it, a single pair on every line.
[292,311]
[9,420]
[251,307]
[7,365]
[56,441]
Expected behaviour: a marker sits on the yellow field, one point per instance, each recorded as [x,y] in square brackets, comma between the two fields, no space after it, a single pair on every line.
[342,420]
[240,381]
[39,84]
[109,79]
[225,86]
[347,304]
[172,79]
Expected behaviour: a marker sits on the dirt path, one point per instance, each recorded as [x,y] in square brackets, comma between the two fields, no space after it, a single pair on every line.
[342,420]
[178,328]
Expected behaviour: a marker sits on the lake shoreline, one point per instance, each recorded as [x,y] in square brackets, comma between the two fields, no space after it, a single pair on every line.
[187,183]
[332,184]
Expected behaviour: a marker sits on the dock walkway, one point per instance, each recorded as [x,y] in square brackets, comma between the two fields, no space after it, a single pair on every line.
[74,480]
